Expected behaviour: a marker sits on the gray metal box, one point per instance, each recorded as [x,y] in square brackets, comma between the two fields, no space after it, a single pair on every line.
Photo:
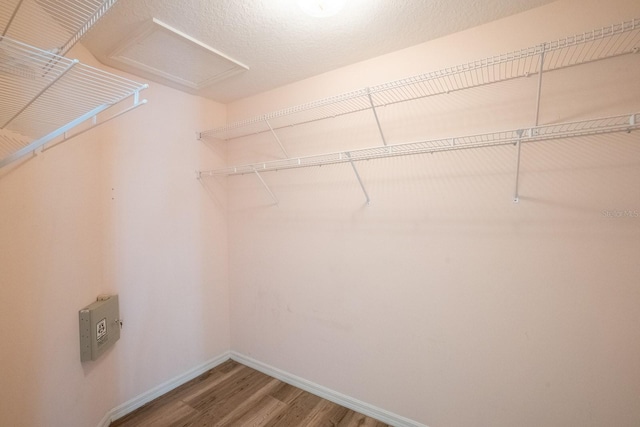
[99,327]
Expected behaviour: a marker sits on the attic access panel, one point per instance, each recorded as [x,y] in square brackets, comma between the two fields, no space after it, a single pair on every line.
[165,52]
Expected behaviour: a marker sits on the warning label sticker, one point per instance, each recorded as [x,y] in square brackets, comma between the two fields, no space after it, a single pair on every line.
[101,329]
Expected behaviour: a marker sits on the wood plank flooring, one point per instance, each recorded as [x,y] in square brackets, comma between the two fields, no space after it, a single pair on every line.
[232,394]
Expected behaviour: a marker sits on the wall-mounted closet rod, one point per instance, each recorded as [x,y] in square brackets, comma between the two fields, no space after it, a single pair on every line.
[62,131]
[607,42]
[626,122]
[96,123]
[41,141]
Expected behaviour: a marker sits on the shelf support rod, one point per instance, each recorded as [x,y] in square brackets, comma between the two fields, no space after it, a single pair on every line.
[15,12]
[539,93]
[275,135]
[46,88]
[516,196]
[375,114]
[266,187]
[355,170]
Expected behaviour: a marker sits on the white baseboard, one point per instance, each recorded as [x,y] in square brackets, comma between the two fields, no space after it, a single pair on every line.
[146,397]
[333,396]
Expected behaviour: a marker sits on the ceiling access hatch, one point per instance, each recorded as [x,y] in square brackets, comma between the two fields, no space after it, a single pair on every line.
[158,50]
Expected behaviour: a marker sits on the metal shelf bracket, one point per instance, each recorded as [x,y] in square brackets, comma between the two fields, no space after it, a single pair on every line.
[275,135]
[355,171]
[531,132]
[516,196]
[266,187]
[375,114]
[539,92]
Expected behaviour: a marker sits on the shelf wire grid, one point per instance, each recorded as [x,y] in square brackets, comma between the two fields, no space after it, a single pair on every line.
[54,25]
[43,92]
[620,123]
[11,142]
[606,42]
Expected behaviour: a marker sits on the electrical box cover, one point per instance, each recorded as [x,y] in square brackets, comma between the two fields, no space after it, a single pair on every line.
[99,327]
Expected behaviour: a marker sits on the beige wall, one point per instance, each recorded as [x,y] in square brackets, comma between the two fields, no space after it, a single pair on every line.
[115,210]
[444,301]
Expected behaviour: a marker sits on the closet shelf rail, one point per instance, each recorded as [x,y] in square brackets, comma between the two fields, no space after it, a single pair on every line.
[606,42]
[45,95]
[622,123]
[51,25]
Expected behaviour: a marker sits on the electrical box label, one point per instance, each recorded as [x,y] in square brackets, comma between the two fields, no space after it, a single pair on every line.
[101,329]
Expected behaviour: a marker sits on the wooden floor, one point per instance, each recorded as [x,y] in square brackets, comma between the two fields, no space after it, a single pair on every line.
[235,395]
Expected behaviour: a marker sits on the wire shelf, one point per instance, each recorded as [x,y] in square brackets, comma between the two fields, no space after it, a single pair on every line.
[53,25]
[606,42]
[622,123]
[44,95]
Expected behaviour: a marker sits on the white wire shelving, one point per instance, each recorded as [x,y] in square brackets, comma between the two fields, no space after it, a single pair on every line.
[53,25]
[603,43]
[621,123]
[607,42]
[43,96]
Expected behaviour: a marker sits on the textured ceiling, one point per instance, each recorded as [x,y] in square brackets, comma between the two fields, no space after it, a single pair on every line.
[280,44]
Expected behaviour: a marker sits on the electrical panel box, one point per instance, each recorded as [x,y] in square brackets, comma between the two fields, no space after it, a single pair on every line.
[99,327]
